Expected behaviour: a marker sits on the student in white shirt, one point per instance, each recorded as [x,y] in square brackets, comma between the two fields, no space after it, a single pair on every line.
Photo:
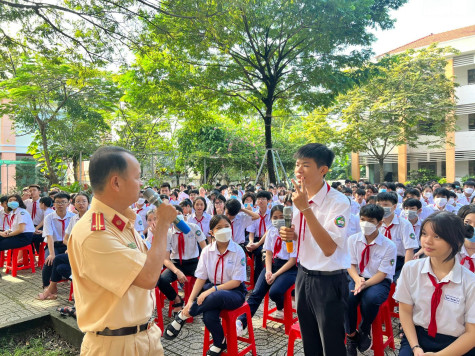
[467,252]
[33,208]
[453,201]
[240,219]
[141,209]
[46,204]
[4,219]
[249,200]
[373,259]
[218,205]
[441,197]
[436,294]
[468,189]
[223,264]
[181,260]
[412,209]
[200,217]
[399,230]
[427,195]
[319,223]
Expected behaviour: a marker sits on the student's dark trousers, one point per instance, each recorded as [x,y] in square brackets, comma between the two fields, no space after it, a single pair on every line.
[214,304]
[59,248]
[276,290]
[399,265]
[61,268]
[257,253]
[369,299]
[428,343]
[17,241]
[188,267]
[321,308]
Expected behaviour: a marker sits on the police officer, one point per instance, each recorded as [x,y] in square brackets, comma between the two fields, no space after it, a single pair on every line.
[114,274]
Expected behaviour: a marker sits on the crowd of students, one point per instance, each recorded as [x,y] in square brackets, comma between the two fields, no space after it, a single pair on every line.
[385,230]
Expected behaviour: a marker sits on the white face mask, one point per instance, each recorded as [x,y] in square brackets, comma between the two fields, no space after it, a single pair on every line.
[387,211]
[451,201]
[278,223]
[223,235]
[367,228]
[440,202]
[428,194]
[468,190]
[410,214]
[141,201]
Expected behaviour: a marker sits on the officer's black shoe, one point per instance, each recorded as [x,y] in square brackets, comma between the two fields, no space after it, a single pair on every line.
[351,345]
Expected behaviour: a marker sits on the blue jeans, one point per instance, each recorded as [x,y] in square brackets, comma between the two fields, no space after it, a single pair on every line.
[276,290]
[369,299]
[214,304]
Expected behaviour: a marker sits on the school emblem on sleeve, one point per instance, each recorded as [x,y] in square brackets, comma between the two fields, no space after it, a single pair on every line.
[22,213]
[340,221]
[118,222]
[97,222]
[198,233]
[412,236]
[392,262]
[243,262]
[140,222]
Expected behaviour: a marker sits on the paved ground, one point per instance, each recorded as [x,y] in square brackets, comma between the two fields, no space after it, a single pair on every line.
[17,301]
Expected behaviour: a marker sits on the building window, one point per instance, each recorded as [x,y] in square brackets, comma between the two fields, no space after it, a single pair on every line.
[431,166]
[471,122]
[471,76]
[471,168]
[443,167]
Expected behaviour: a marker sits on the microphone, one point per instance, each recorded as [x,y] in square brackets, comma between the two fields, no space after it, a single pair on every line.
[153,198]
[288,223]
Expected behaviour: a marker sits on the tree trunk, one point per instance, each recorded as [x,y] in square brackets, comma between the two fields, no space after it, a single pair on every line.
[381,170]
[53,178]
[76,168]
[268,134]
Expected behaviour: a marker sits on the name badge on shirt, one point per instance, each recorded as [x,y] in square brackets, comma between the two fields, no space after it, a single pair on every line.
[452,299]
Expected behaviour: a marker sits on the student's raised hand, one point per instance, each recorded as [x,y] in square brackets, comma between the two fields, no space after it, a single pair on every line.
[300,196]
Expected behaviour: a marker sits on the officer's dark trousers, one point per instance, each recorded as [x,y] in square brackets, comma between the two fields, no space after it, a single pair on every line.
[61,268]
[59,248]
[214,304]
[428,343]
[17,241]
[188,267]
[370,300]
[276,290]
[321,308]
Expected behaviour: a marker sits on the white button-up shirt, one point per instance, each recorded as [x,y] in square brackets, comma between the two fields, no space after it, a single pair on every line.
[192,239]
[21,216]
[38,218]
[203,224]
[457,303]
[382,255]
[464,253]
[53,227]
[269,245]
[254,227]
[234,264]
[402,234]
[332,210]
[239,224]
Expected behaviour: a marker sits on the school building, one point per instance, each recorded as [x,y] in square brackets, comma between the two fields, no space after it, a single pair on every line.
[452,161]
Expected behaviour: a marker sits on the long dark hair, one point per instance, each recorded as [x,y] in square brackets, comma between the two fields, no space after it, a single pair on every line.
[18,199]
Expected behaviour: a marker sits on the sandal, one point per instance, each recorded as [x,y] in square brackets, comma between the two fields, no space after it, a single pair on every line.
[67,311]
[178,305]
[42,296]
[172,329]
[216,351]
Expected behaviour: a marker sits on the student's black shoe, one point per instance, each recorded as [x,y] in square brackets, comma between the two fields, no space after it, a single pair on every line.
[216,351]
[365,341]
[174,328]
[351,345]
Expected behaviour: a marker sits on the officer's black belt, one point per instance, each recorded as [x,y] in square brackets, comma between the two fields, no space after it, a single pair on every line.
[322,273]
[128,330]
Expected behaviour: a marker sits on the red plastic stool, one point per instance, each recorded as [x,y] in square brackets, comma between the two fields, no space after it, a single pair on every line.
[294,334]
[190,282]
[229,318]
[392,302]
[158,301]
[250,263]
[2,258]
[28,260]
[288,319]
[383,318]
[41,255]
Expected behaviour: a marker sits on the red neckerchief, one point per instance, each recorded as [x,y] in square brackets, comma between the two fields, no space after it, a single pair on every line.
[364,257]
[387,231]
[199,221]
[181,245]
[434,303]
[277,247]
[33,209]
[303,223]
[262,222]
[5,221]
[10,223]
[220,259]
[63,226]
[470,263]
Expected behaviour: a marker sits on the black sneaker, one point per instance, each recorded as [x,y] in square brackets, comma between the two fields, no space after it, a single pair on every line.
[365,341]
[351,345]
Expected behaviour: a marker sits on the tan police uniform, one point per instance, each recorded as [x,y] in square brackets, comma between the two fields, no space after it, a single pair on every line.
[106,255]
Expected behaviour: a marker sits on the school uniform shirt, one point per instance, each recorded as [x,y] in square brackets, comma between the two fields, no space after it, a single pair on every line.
[355,207]
[238,225]
[402,234]
[457,303]
[139,225]
[191,239]
[463,256]
[447,207]
[382,255]
[21,216]
[33,208]
[261,225]
[54,227]
[278,249]
[47,212]
[353,225]
[464,200]
[71,224]
[142,212]
[332,210]
[4,220]
[203,223]
[231,267]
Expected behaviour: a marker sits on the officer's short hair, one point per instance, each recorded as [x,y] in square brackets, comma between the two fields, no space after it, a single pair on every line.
[106,160]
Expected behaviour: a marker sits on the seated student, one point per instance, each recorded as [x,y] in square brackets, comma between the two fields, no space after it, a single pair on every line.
[61,269]
[427,195]
[373,199]
[54,230]
[288,200]
[220,274]
[218,205]
[20,227]
[279,273]
[240,219]
[141,208]
[187,208]
[369,192]
[414,193]
[400,231]
[173,198]
[164,198]
[353,225]
[249,200]
[412,208]
[200,217]
[193,194]
[359,200]
[436,294]
[33,208]
[181,260]
[441,197]
[468,189]
[4,215]
[46,204]
[467,252]
[258,228]
[453,201]
[166,189]
[373,259]
[400,190]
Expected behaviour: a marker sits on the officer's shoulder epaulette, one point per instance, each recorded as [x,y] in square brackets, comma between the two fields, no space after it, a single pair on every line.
[97,222]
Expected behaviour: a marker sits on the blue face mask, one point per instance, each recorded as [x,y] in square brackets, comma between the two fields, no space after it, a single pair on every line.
[13,204]
[382,190]
[472,239]
[233,197]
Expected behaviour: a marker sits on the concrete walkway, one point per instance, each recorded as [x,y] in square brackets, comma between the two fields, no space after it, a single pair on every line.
[17,301]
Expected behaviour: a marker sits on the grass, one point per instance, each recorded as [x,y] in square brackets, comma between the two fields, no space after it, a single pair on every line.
[38,342]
